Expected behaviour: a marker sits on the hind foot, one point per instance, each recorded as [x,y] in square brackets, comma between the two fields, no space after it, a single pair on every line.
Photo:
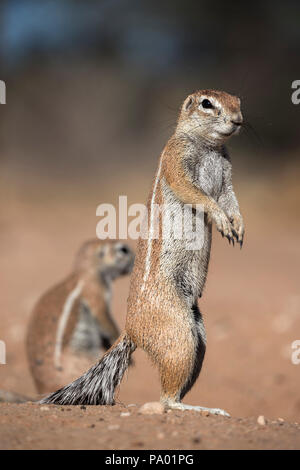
[183,407]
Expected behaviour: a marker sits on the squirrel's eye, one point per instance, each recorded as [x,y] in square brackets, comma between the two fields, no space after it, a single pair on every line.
[206,104]
[123,249]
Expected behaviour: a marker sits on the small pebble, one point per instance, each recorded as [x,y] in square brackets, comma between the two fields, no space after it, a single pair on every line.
[261,420]
[124,414]
[44,408]
[137,444]
[152,408]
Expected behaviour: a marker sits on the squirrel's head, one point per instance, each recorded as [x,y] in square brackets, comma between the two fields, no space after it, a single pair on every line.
[212,115]
[107,258]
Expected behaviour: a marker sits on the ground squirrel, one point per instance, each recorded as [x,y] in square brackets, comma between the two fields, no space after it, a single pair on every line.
[163,317]
[72,322]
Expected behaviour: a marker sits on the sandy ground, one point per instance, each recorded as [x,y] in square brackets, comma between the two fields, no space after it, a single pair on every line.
[251,307]
[58,427]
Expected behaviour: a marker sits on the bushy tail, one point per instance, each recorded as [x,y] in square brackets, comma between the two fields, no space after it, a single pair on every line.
[97,386]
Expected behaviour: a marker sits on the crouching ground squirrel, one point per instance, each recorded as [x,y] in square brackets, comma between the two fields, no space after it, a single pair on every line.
[72,322]
[163,317]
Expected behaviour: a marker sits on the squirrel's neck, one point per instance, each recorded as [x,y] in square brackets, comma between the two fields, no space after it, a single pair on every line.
[192,148]
[99,281]
[194,140]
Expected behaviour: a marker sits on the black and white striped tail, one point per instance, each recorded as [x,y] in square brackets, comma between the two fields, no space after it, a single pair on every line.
[97,386]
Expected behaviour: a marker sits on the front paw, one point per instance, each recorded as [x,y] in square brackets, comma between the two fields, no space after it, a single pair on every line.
[238,228]
[223,225]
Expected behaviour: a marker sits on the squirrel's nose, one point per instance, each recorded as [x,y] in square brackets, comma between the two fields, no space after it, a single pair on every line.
[238,120]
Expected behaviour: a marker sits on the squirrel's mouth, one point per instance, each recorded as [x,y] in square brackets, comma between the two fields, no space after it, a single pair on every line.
[233,131]
[227,134]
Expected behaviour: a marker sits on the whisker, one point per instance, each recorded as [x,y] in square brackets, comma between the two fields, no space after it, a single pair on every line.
[252,132]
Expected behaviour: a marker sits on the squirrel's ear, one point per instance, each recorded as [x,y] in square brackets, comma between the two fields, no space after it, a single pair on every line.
[188,103]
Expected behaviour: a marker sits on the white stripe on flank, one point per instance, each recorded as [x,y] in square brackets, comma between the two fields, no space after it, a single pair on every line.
[151,229]
[63,320]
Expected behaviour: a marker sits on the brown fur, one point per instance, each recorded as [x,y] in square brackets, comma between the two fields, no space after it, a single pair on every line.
[163,317]
[158,319]
[89,269]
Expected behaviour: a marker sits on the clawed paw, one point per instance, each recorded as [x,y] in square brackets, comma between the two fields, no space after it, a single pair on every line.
[238,229]
[203,409]
[224,226]
[231,227]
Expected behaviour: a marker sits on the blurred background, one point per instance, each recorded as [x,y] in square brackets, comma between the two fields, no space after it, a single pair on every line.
[93,91]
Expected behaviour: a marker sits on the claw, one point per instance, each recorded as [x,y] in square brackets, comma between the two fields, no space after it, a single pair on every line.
[235,235]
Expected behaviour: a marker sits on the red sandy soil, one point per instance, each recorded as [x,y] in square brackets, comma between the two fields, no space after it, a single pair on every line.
[251,308]
[32,426]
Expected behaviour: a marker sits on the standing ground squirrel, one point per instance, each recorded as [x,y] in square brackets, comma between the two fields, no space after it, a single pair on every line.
[163,317]
[72,322]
